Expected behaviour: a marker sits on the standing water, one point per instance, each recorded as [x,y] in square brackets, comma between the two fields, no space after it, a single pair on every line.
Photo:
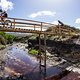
[18,61]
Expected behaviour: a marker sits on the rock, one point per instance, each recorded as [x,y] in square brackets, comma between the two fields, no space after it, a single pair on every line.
[2,40]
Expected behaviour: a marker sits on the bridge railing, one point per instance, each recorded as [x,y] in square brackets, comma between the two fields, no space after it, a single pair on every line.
[28,24]
[24,24]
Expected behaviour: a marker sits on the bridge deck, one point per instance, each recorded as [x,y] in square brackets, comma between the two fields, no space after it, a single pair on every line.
[24,30]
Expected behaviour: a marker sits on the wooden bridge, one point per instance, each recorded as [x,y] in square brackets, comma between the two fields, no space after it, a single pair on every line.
[25,26]
[30,26]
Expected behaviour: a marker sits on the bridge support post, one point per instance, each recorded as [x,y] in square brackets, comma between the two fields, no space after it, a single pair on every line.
[42,66]
[44,55]
[39,54]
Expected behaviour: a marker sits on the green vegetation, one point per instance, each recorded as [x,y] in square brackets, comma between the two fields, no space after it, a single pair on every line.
[8,38]
[2,40]
[33,52]
[63,33]
[2,46]
[66,29]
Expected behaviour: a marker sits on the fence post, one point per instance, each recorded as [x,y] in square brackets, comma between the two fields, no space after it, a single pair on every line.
[34,27]
[41,26]
[14,23]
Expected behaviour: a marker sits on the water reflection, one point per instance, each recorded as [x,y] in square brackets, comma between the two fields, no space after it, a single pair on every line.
[18,61]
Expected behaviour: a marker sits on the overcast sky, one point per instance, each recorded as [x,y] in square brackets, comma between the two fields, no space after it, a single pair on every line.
[68,11]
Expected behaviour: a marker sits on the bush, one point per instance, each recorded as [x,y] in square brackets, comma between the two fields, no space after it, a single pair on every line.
[2,40]
[33,52]
[9,38]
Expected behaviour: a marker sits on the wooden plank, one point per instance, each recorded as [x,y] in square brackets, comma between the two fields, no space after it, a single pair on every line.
[29,31]
[30,20]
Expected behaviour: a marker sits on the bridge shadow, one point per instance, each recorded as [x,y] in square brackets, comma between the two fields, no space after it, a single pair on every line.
[52,73]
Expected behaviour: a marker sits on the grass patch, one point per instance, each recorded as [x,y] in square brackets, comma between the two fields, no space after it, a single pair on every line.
[9,38]
[33,52]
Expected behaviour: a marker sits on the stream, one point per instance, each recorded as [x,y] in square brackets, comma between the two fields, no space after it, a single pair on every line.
[18,61]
